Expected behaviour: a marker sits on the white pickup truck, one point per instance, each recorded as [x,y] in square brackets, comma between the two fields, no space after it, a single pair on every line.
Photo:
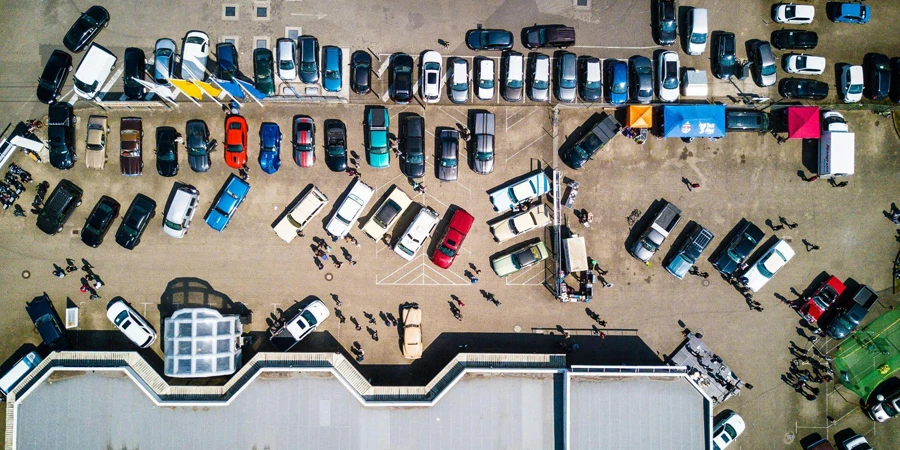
[300,214]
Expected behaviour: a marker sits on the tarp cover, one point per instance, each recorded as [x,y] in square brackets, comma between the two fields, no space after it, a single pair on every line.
[871,355]
[640,116]
[694,121]
[803,122]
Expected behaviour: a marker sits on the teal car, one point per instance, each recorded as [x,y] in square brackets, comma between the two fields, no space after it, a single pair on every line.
[378,122]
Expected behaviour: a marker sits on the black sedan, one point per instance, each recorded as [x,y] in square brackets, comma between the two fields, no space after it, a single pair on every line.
[166,151]
[198,145]
[795,39]
[878,76]
[401,78]
[741,246]
[485,39]
[86,28]
[335,145]
[803,88]
[412,164]
[99,221]
[135,67]
[54,76]
[135,221]
[666,25]
[361,72]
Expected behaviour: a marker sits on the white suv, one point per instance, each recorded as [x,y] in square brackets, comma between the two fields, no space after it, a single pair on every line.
[350,209]
[132,324]
[415,235]
[93,70]
[181,211]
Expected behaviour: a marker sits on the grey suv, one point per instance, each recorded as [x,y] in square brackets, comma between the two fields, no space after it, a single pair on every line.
[763,64]
[566,77]
[59,207]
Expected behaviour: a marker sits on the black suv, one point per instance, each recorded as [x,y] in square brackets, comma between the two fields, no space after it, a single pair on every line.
[723,66]
[412,164]
[666,22]
[61,203]
[99,221]
[746,120]
[538,36]
[878,72]
[135,67]
[47,322]
[54,76]
[61,134]
[135,221]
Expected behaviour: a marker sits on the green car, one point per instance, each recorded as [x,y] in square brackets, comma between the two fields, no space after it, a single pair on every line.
[378,123]
[513,262]
[262,70]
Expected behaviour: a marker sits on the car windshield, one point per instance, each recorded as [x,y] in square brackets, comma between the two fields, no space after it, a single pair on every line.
[484,156]
[567,83]
[172,225]
[541,84]
[448,162]
[120,318]
[855,89]
[698,38]
[768,70]
[515,84]
[84,87]
[486,83]
[286,64]
[309,318]
[726,60]
[416,158]
[236,148]
[332,75]
[194,40]
[671,80]
[447,251]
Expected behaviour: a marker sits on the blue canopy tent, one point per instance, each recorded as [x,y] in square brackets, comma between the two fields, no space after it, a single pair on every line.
[694,121]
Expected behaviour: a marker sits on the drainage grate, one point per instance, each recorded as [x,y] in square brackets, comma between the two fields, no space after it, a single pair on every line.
[262,11]
[583,4]
[231,11]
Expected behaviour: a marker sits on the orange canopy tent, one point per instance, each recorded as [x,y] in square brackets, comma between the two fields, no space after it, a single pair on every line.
[639,116]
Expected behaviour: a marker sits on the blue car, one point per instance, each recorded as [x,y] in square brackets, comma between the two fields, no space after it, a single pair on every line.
[852,13]
[269,147]
[230,197]
[331,69]
[618,85]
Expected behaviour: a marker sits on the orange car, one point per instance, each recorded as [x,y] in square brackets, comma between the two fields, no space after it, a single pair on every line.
[235,141]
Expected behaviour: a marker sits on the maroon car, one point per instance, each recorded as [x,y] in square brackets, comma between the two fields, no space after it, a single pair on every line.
[132,134]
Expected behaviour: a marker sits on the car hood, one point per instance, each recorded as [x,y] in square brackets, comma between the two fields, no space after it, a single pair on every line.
[379,160]
[337,163]
[754,279]
[199,163]
[679,266]
[448,173]
[167,168]
[504,266]
[61,159]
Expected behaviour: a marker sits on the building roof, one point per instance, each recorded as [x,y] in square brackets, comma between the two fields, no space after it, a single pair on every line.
[201,342]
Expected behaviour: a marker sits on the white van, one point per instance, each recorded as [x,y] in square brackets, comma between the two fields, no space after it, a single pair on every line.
[415,235]
[25,365]
[181,211]
[300,215]
[93,70]
[698,31]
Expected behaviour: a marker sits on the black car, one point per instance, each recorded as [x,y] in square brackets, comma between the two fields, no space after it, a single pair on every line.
[335,145]
[587,146]
[666,25]
[61,134]
[85,29]
[486,39]
[54,76]
[135,67]
[166,151]
[226,61]
[308,59]
[412,136]
[361,72]
[538,36]
[803,88]
[263,68]
[725,58]
[99,221]
[61,203]
[795,39]
[135,221]
[849,314]
[878,76]
[47,322]
[198,146]
[401,78]
[742,244]
[746,120]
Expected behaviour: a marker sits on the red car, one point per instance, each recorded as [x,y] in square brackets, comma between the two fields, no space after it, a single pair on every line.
[235,141]
[304,141]
[452,240]
[822,299]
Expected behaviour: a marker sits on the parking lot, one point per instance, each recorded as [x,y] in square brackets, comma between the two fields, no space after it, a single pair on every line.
[247,267]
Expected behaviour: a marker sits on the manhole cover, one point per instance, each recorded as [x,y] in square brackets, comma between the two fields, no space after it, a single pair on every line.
[788,438]
[26,274]
[517,329]
[705,283]
[329,276]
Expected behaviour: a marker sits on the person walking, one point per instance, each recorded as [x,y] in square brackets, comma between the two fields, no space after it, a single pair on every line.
[58,271]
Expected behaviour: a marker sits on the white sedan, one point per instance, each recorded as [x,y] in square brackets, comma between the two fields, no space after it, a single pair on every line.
[350,209]
[431,80]
[804,64]
[128,321]
[537,216]
[851,83]
[668,76]
[767,266]
[194,53]
[727,430]
[793,14]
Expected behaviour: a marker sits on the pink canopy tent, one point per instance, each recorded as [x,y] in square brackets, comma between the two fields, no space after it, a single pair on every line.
[803,122]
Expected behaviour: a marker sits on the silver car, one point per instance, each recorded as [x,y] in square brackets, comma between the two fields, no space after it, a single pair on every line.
[642,73]
[566,77]
[540,78]
[164,61]
[448,166]
[764,66]
[459,81]
[483,162]
[286,58]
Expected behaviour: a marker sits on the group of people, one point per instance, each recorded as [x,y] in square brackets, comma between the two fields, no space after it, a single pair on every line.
[818,373]
[90,282]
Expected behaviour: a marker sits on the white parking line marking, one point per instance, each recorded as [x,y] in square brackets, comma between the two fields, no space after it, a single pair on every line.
[508,126]
[525,147]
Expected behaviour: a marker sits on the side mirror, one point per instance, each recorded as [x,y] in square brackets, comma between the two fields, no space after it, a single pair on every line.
[880,398]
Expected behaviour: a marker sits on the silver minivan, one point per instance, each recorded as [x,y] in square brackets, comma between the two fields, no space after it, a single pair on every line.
[514,77]
[10,379]
[181,211]
[566,77]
